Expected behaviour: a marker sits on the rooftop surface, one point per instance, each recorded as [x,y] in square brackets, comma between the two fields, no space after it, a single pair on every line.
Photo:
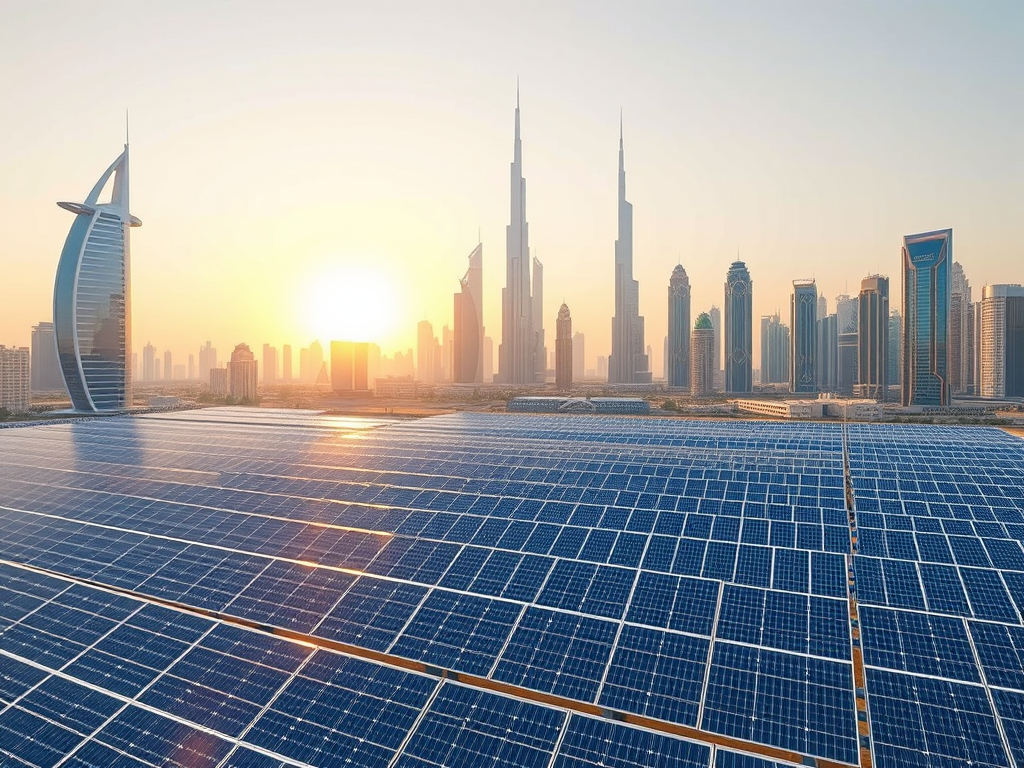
[253,588]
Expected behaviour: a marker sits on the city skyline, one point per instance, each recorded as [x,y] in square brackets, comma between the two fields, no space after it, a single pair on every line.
[224,198]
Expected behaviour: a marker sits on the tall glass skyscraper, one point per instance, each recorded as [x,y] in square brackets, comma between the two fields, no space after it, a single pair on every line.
[775,345]
[846,360]
[926,267]
[468,362]
[803,318]
[873,337]
[92,297]
[628,363]
[678,352]
[739,329]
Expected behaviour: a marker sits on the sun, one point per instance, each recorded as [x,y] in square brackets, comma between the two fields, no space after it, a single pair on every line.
[350,303]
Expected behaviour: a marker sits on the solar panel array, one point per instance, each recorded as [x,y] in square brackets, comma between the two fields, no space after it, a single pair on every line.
[243,587]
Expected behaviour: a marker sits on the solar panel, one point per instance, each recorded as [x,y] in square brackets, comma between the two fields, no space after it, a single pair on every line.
[253,588]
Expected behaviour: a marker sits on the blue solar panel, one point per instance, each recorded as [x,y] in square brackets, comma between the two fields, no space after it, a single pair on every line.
[591,742]
[557,653]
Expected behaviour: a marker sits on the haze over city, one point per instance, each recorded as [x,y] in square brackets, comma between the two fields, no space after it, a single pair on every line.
[322,172]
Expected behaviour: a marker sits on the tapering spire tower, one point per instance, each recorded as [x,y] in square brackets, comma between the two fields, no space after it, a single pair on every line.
[628,363]
[516,351]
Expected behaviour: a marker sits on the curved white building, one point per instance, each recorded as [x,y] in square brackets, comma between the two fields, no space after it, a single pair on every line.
[92,297]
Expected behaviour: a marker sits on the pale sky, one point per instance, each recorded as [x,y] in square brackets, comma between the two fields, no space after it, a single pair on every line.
[287,153]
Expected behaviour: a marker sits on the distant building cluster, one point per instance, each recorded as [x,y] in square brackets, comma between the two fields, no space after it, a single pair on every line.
[943,344]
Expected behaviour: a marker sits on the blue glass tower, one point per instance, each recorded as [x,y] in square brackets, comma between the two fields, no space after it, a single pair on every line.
[926,266]
[92,297]
[739,329]
[803,311]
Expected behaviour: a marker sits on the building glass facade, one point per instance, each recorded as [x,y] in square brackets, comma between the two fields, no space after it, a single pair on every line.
[739,329]
[804,334]
[92,298]
[678,348]
[926,298]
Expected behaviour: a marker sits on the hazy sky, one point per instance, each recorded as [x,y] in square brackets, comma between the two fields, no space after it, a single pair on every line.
[292,160]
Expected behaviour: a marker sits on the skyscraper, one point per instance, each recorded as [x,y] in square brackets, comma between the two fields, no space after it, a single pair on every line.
[628,363]
[286,363]
[826,361]
[45,366]
[873,338]
[846,360]
[926,267]
[803,313]
[579,359]
[15,378]
[92,297]
[716,321]
[469,322]
[149,362]
[961,333]
[822,307]
[677,361]
[775,344]
[207,361]
[739,329]
[446,357]
[269,364]
[488,359]
[702,354]
[168,365]
[243,374]
[563,350]
[426,352]
[895,347]
[540,351]
[1002,341]
[518,344]
[350,366]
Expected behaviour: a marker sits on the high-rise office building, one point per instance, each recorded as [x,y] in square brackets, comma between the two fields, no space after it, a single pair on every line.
[822,307]
[563,350]
[488,360]
[468,359]
[207,361]
[92,297]
[628,363]
[846,361]
[149,362]
[775,350]
[895,347]
[961,332]
[803,313]
[926,268]
[15,378]
[269,364]
[826,361]
[286,363]
[426,357]
[579,359]
[350,366]
[45,366]
[447,343]
[1002,341]
[702,357]
[243,374]
[977,309]
[518,343]
[677,353]
[716,321]
[873,338]
[602,367]
[219,381]
[168,365]
[739,329]
[540,350]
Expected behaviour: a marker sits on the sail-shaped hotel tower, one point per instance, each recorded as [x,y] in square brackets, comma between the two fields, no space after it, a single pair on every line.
[92,297]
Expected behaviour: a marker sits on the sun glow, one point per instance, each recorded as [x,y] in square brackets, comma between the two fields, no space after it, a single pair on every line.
[350,303]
